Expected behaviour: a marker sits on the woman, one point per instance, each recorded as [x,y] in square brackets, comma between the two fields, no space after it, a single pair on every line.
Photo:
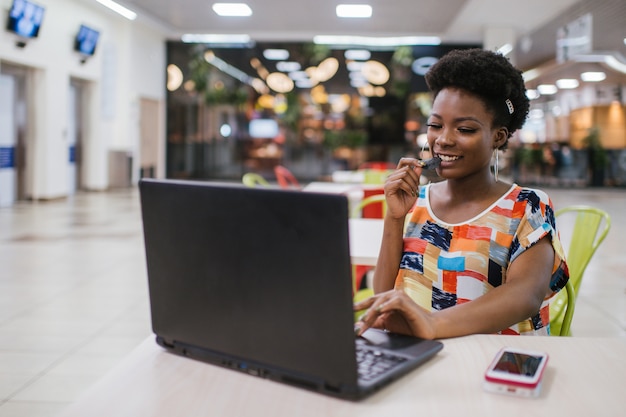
[479,255]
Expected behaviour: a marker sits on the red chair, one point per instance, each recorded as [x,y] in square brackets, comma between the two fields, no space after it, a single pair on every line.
[285,178]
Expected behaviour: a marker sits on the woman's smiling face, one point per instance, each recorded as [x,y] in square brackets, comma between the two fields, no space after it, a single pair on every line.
[461,134]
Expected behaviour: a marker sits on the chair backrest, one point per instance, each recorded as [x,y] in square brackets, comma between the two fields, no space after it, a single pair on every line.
[591,225]
[285,178]
[252,179]
[587,227]
[376,176]
[372,199]
[376,172]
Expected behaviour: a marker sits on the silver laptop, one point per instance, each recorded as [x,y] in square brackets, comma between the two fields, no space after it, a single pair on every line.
[259,281]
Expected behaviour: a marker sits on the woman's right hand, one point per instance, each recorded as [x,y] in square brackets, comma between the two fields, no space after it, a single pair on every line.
[396,312]
[401,187]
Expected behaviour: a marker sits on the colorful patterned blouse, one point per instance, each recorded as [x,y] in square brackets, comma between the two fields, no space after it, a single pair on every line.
[447,264]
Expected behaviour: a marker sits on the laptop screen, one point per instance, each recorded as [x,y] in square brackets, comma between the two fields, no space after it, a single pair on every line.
[259,275]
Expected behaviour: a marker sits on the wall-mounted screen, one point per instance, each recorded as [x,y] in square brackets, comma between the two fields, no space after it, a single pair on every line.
[86,40]
[25,18]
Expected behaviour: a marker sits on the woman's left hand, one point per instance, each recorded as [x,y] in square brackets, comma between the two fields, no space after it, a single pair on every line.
[396,312]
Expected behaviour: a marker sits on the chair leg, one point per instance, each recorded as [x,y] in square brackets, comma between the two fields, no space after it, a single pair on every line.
[569,313]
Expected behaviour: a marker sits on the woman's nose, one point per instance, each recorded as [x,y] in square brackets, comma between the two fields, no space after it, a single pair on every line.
[444,139]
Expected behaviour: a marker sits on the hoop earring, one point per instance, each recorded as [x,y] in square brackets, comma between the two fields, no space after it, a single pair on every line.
[495,165]
[423,149]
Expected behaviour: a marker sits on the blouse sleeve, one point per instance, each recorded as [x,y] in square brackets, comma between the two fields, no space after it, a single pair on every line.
[538,222]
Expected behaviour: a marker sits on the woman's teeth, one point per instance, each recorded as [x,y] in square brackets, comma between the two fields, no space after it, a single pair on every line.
[448,158]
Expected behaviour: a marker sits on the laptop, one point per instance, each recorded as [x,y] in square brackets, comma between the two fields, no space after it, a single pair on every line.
[258,280]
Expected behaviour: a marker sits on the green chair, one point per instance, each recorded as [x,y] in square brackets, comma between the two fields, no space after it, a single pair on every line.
[372,199]
[590,227]
[376,172]
[252,179]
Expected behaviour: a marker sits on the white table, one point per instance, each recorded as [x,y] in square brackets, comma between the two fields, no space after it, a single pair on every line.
[355,192]
[584,377]
[365,238]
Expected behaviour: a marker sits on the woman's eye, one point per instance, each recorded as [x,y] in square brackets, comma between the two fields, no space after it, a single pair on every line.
[433,125]
[467,130]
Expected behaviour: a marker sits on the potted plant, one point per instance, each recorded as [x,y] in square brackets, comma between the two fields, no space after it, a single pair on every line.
[597,156]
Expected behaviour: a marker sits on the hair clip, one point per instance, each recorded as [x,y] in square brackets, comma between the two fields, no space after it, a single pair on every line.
[509,104]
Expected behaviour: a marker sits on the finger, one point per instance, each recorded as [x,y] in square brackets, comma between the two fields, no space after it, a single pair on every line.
[369,317]
[410,162]
[403,175]
[362,305]
[405,184]
[363,324]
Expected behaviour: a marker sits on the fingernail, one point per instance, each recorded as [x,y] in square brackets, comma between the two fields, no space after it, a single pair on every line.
[357,329]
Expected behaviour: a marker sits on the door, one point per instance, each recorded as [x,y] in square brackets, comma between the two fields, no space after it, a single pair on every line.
[75,134]
[8,142]
[13,123]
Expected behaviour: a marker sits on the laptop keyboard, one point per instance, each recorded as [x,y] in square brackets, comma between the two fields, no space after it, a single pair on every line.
[372,362]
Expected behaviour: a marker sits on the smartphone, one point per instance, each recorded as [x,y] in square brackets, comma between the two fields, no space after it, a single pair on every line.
[516,371]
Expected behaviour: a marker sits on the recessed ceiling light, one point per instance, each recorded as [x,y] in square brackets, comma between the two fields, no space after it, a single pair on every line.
[593,76]
[535,114]
[298,75]
[118,8]
[232,9]
[354,10]
[567,83]
[547,89]
[390,41]
[215,38]
[357,54]
[355,66]
[288,66]
[305,83]
[276,54]
[532,94]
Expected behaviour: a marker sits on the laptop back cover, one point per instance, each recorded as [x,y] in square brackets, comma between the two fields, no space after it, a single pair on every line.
[254,278]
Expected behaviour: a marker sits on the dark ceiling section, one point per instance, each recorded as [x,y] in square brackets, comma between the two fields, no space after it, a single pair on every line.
[308,54]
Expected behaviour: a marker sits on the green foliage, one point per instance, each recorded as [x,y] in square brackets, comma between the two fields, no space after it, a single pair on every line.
[598,155]
[213,85]
[351,138]
[402,56]
[314,54]
[291,117]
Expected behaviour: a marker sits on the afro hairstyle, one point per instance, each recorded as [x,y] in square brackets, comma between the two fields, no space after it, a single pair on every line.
[489,76]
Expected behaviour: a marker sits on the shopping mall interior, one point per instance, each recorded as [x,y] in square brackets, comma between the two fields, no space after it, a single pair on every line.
[93,99]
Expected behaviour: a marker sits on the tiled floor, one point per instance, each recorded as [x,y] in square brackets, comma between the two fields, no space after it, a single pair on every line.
[73,293]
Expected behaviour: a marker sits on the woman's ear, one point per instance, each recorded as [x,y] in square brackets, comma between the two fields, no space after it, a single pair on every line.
[500,137]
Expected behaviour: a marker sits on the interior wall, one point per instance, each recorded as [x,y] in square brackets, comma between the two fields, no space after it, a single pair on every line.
[609,119]
[128,64]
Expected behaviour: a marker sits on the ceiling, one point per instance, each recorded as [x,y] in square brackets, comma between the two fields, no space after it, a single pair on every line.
[454,21]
